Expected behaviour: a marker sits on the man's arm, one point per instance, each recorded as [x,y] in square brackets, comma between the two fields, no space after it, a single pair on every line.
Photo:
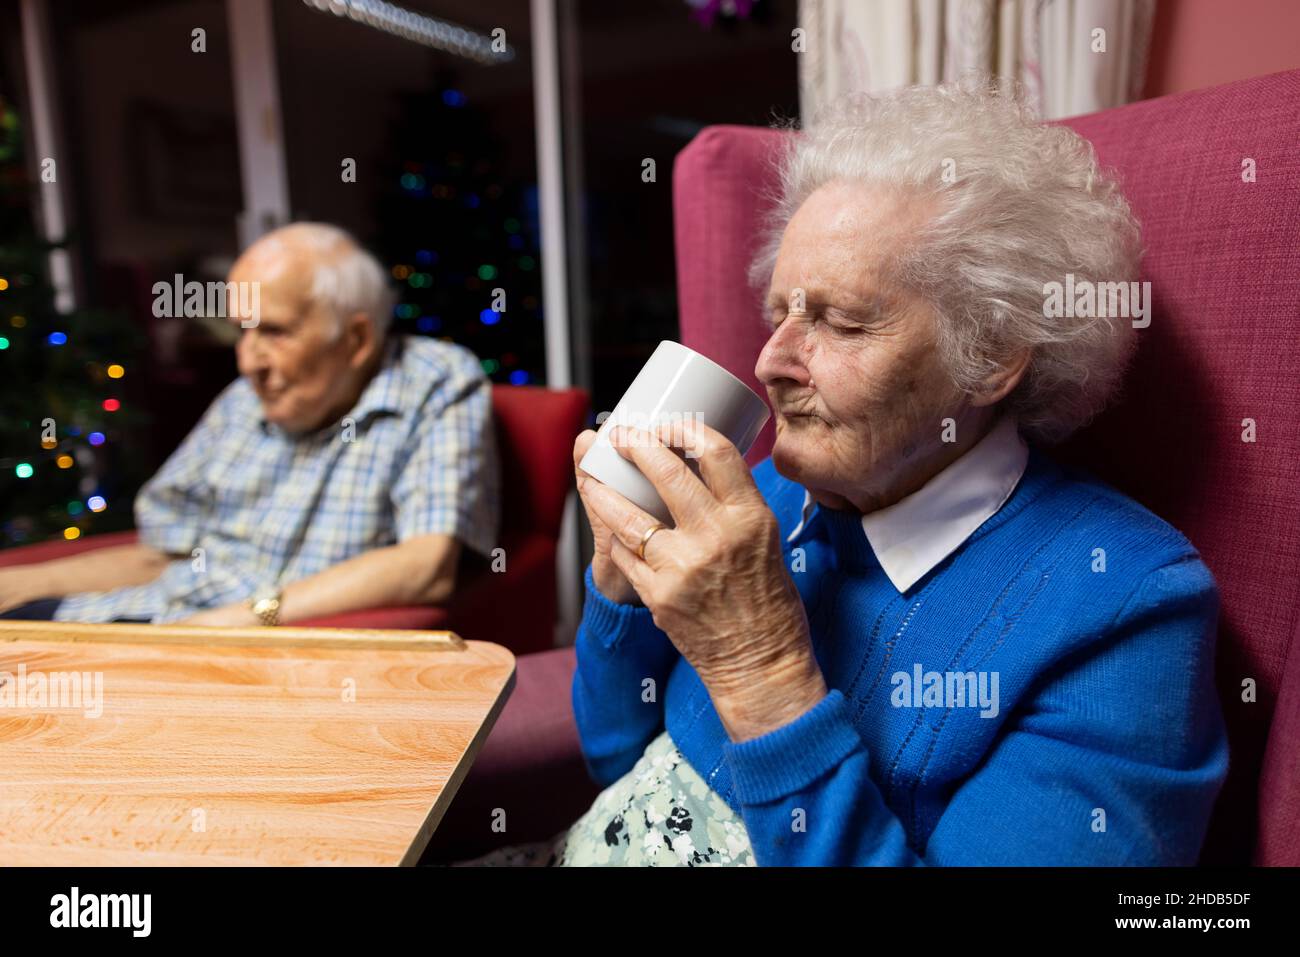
[102,569]
[419,571]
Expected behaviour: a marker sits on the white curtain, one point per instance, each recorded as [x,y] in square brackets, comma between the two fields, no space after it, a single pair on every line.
[1070,56]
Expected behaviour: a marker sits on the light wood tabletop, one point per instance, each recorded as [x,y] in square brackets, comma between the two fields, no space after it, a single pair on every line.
[180,745]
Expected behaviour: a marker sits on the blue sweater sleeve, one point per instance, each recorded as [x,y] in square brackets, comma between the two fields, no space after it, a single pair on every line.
[1090,769]
[623,665]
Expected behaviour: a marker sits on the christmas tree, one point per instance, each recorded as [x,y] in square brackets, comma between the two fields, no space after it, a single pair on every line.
[65,428]
[461,237]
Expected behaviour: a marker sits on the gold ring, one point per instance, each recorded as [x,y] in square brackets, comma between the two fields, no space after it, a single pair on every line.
[640,551]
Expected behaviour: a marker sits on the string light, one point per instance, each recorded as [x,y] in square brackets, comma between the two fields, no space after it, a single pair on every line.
[112,405]
[96,438]
[24,470]
[419,28]
[64,461]
[71,533]
[97,503]
[115,371]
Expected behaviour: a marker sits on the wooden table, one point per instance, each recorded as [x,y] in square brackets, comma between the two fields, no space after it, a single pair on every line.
[236,745]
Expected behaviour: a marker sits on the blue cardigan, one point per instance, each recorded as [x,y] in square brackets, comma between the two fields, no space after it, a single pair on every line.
[1108,744]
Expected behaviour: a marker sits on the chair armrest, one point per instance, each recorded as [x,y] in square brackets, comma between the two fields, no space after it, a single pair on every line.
[47,551]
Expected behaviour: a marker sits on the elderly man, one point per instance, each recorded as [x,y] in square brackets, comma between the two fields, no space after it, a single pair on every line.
[908,637]
[345,469]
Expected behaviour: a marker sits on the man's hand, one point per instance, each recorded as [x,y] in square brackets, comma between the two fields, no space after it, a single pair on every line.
[100,569]
[18,586]
[228,616]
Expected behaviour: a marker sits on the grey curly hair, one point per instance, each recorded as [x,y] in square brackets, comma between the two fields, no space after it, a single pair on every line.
[1023,204]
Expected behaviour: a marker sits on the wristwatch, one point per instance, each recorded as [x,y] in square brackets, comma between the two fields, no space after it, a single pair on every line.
[265,604]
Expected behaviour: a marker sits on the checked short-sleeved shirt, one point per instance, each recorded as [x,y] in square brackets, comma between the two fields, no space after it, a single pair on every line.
[242,504]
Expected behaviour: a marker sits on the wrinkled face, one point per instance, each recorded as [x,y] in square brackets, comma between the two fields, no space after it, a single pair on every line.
[855,380]
[292,357]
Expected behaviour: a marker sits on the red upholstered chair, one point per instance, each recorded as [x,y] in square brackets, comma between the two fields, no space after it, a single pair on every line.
[515,608]
[1224,263]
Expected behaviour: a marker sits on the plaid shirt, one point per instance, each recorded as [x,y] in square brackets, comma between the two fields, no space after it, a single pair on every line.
[244,504]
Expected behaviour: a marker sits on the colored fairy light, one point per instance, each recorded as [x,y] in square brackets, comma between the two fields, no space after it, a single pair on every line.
[453,97]
[49,443]
[71,532]
[97,503]
[512,225]
[489,318]
[23,470]
[518,377]
[490,366]
[64,461]
[56,338]
[75,508]
[426,256]
[487,271]
[4,343]
[17,321]
[96,438]
[115,371]
[112,405]
[4,283]
[526,263]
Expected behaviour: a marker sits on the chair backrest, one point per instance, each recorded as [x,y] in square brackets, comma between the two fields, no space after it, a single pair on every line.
[535,427]
[1224,265]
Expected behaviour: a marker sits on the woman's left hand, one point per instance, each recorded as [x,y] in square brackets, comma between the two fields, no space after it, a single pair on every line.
[716,584]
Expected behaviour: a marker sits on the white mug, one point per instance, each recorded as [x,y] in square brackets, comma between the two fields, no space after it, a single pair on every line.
[676,386]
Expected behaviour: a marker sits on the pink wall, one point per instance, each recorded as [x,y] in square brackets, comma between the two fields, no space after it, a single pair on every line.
[1199,43]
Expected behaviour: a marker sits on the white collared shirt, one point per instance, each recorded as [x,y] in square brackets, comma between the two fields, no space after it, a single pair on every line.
[919,531]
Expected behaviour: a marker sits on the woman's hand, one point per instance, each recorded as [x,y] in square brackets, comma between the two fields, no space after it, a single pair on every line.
[716,584]
[611,582]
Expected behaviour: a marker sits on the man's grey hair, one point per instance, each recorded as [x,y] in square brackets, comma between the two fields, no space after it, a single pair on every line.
[1023,204]
[347,279]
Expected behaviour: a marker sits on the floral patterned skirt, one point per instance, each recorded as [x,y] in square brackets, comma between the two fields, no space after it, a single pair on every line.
[659,814]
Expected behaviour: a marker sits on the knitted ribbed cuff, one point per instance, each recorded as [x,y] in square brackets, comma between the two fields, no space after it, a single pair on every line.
[611,622]
[793,756]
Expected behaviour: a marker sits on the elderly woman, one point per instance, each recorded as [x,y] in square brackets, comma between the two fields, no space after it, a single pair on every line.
[908,637]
